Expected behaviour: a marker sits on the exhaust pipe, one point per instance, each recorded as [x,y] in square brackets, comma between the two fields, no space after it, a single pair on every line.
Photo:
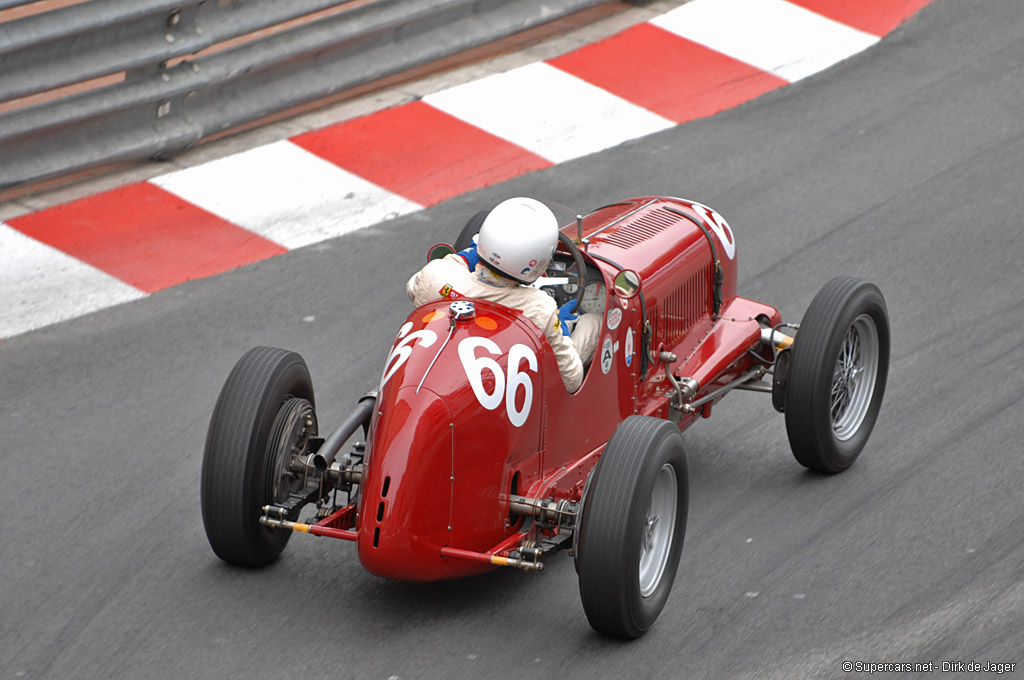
[327,452]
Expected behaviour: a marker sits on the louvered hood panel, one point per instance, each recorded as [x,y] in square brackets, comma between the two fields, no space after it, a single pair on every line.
[647,240]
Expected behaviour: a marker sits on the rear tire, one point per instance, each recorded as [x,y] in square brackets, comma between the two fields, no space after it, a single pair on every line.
[241,461]
[632,527]
[837,374]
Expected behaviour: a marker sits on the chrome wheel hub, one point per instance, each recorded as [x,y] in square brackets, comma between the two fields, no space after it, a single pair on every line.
[658,530]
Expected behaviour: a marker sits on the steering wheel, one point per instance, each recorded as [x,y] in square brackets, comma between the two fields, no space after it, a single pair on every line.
[472,228]
[581,266]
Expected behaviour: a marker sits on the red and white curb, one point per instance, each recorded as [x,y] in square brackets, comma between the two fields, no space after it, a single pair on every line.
[701,58]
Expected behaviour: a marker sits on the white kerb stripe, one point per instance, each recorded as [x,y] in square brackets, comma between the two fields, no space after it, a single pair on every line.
[285,194]
[41,285]
[548,111]
[772,35]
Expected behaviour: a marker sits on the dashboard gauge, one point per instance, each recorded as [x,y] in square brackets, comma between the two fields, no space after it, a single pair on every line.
[570,288]
[593,298]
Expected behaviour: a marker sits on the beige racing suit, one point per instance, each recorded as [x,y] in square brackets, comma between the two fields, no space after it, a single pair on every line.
[452,273]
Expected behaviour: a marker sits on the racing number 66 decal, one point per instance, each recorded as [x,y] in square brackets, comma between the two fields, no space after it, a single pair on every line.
[504,389]
[517,378]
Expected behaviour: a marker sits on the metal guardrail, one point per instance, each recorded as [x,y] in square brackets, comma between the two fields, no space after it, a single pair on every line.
[179,88]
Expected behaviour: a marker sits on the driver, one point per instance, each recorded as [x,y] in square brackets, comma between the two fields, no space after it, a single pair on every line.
[515,244]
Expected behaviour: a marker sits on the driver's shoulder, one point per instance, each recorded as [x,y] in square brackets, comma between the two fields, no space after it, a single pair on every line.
[450,270]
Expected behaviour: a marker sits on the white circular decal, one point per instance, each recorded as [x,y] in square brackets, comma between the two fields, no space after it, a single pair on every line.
[614,318]
[629,346]
[720,227]
[606,355]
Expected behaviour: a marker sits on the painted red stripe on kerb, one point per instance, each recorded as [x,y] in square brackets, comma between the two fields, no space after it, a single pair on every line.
[877,18]
[669,75]
[146,237]
[420,153]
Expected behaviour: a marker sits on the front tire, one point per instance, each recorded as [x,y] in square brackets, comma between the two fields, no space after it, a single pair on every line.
[243,468]
[837,374]
[632,527]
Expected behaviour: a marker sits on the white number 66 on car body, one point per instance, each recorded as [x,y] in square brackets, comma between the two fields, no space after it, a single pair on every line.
[503,388]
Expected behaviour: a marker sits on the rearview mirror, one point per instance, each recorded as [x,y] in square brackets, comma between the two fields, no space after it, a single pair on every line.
[626,284]
[441,250]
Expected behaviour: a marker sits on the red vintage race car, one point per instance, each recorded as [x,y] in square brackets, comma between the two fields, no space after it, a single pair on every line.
[473,454]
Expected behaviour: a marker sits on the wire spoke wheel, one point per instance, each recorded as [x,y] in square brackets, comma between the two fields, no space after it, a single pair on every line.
[853,382]
[294,425]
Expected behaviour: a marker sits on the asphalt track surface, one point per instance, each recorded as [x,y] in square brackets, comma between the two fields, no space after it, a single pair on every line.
[903,165]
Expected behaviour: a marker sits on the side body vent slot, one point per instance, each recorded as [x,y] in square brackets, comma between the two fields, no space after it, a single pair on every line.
[685,306]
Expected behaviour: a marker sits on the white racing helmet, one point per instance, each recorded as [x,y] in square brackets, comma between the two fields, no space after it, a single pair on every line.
[518,238]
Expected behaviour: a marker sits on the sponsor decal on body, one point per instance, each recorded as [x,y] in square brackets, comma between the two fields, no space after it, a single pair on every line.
[607,355]
[614,318]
